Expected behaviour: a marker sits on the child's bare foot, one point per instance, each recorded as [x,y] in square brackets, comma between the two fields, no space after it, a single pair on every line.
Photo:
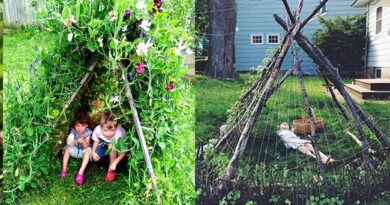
[328,160]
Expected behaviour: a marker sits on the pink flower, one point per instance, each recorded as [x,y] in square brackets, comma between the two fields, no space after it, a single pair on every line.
[140,68]
[169,86]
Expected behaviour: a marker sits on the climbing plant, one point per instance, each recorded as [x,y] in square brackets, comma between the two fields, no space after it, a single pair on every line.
[141,42]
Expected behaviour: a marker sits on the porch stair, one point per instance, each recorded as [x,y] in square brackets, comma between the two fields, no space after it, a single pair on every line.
[376,89]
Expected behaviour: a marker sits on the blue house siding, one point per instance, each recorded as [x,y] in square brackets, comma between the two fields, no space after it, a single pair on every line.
[256,17]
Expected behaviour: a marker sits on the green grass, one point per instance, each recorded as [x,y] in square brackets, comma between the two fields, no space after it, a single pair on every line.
[18,53]
[215,97]
[67,192]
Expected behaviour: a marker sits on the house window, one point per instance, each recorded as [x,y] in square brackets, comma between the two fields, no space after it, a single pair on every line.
[378,73]
[257,39]
[273,39]
[378,20]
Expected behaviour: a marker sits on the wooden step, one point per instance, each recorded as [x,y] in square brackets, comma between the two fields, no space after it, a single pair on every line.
[365,93]
[374,84]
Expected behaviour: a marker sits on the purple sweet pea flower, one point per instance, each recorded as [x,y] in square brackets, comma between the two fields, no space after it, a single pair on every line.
[169,86]
[157,6]
[126,15]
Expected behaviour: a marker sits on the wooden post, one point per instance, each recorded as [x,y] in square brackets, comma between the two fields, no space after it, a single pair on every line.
[83,81]
[240,147]
[139,131]
[329,87]
[313,137]
[331,73]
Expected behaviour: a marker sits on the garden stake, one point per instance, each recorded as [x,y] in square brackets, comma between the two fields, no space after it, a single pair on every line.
[330,72]
[139,131]
[259,105]
[83,81]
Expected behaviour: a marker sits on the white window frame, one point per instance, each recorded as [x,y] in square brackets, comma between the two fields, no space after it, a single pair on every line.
[257,34]
[273,34]
[377,20]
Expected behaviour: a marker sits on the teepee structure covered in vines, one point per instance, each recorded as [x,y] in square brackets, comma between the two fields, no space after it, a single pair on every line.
[255,98]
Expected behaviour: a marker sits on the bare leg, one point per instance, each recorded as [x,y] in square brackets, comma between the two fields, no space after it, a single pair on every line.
[85,161]
[117,159]
[324,158]
[305,150]
[65,158]
[113,155]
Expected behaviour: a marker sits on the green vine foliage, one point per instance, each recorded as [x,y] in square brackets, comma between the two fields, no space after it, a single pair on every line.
[144,41]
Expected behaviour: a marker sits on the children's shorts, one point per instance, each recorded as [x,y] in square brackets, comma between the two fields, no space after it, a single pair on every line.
[101,150]
[77,153]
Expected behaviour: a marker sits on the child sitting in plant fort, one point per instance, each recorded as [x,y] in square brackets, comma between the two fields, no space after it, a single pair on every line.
[103,136]
[291,140]
[77,146]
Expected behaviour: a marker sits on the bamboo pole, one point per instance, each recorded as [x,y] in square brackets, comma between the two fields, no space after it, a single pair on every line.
[139,131]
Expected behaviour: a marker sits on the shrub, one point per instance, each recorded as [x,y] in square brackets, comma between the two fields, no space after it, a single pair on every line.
[343,41]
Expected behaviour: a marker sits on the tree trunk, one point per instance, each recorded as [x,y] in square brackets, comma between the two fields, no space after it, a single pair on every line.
[221,56]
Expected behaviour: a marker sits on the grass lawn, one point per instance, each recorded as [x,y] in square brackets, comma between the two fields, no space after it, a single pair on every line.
[175,187]
[215,97]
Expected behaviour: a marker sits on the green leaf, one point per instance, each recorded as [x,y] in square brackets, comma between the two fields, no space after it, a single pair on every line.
[66,12]
[108,152]
[162,145]
[112,44]
[44,169]
[41,130]
[91,45]
[55,113]
[30,132]
[33,185]
[22,186]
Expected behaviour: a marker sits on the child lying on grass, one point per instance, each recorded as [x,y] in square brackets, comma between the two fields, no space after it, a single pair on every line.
[291,140]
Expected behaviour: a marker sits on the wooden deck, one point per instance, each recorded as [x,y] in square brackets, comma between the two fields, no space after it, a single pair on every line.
[378,89]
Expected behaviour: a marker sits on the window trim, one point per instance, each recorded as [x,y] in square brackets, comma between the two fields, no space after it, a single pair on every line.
[377,20]
[273,34]
[257,34]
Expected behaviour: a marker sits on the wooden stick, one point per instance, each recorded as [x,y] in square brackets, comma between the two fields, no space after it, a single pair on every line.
[83,82]
[139,131]
[240,147]
[331,73]
[313,133]
[356,139]
[313,13]
[257,86]
[338,105]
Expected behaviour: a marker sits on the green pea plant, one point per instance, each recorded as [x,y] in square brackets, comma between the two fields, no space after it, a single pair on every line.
[139,42]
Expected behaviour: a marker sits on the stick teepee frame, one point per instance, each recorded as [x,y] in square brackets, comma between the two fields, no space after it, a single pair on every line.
[255,98]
